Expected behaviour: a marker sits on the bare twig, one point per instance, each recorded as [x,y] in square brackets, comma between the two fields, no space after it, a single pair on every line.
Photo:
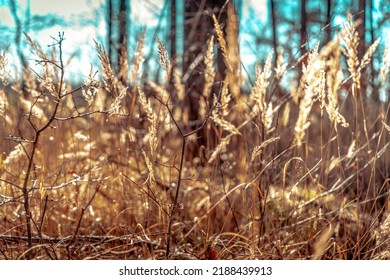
[184,137]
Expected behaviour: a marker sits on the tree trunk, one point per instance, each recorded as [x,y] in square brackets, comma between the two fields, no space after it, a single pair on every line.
[122,43]
[375,89]
[198,29]
[274,41]
[18,37]
[173,32]
[274,32]
[328,21]
[303,34]
[109,29]
[303,31]
[362,44]
[362,27]
[122,24]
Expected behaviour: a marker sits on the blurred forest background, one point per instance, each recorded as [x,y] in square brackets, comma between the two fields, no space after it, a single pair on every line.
[185,26]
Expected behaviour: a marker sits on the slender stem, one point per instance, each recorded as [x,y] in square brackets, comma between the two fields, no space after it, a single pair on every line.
[26,201]
[174,204]
[183,146]
[38,131]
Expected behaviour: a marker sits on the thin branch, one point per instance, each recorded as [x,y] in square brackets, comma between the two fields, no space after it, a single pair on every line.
[183,146]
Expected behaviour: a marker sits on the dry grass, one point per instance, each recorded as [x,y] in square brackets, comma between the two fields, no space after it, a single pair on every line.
[102,171]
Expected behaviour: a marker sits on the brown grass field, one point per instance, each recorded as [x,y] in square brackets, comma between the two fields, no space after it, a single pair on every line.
[117,169]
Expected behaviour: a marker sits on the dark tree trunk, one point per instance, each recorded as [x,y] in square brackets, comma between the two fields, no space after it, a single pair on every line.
[362,44]
[274,40]
[122,42]
[274,32]
[23,61]
[18,42]
[303,34]
[375,89]
[109,29]
[122,23]
[220,10]
[173,31]
[362,27]
[198,28]
[303,30]
[328,21]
